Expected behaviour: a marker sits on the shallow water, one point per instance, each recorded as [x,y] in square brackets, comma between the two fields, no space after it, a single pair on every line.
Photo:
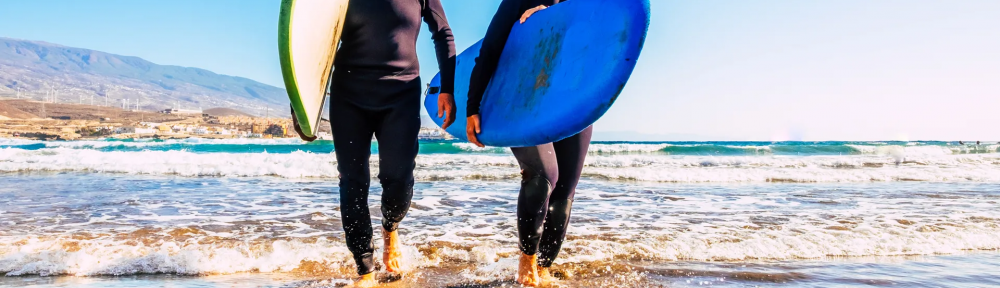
[965,270]
[106,224]
[74,214]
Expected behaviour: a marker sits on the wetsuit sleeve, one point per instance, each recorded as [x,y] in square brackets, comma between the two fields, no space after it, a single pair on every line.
[444,43]
[489,55]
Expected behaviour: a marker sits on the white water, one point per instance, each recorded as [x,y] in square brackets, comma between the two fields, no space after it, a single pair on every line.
[933,167]
[212,226]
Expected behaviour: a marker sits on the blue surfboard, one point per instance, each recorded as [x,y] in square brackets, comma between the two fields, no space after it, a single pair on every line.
[559,73]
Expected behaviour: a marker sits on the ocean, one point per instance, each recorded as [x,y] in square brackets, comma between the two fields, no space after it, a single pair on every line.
[264,213]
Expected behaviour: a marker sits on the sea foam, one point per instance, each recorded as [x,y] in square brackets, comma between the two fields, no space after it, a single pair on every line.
[934,167]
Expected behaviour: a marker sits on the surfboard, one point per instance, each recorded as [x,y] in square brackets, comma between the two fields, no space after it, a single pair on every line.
[559,72]
[308,36]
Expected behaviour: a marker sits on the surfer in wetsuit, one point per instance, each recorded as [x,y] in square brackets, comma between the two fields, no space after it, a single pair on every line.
[550,172]
[376,90]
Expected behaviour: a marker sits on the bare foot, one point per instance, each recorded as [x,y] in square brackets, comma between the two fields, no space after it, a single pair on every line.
[392,257]
[366,281]
[527,270]
[545,276]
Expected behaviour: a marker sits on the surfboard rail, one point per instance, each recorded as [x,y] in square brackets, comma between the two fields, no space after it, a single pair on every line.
[308,35]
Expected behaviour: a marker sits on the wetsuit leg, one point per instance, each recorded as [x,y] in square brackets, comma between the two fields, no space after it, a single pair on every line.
[397,151]
[570,154]
[539,171]
[353,128]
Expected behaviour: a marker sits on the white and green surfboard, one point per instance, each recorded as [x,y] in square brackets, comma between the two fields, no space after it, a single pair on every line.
[308,36]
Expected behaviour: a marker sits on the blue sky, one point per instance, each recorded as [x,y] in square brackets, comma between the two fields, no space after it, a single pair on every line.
[735,70]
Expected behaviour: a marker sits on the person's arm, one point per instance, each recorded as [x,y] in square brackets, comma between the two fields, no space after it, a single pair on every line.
[444,46]
[489,55]
[486,64]
[444,43]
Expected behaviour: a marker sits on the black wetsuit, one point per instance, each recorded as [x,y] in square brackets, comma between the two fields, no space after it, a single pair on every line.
[550,172]
[376,91]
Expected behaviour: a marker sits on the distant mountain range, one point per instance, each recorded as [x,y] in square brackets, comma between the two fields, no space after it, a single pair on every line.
[40,70]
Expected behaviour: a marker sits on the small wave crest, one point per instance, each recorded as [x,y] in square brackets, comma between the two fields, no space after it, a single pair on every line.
[126,255]
[433,167]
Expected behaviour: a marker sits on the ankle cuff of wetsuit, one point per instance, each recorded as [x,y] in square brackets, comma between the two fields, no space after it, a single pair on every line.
[366,263]
[389,227]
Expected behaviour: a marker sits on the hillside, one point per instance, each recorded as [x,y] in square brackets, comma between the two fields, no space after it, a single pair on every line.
[80,75]
[225,112]
[8,111]
[34,110]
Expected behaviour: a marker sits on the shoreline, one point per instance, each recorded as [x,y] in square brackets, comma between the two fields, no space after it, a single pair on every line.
[36,120]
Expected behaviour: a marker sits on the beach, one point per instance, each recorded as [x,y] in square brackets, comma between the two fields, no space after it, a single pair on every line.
[264,213]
